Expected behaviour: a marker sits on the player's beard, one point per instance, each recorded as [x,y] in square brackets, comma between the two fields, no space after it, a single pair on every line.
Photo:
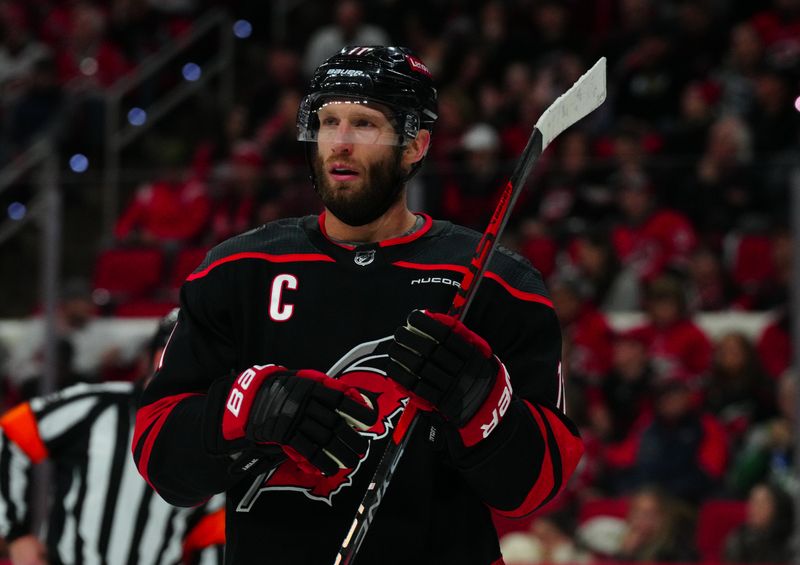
[381,187]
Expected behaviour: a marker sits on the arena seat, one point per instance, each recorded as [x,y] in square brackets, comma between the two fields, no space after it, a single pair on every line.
[186,261]
[541,252]
[128,273]
[751,259]
[715,520]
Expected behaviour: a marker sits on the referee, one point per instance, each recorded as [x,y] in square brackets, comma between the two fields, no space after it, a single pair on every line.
[101,510]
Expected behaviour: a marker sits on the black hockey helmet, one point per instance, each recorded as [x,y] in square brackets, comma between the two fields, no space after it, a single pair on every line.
[390,76]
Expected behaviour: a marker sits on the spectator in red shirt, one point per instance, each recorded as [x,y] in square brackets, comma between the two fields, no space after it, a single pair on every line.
[239,207]
[779,29]
[682,449]
[676,345]
[649,239]
[774,345]
[86,53]
[587,336]
[171,210]
[762,267]
[535,242]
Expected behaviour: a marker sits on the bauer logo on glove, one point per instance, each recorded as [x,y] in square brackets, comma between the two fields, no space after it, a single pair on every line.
[450,368]
[311,417]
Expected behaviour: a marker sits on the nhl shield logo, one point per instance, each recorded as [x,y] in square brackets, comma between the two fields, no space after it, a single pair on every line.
[364,258]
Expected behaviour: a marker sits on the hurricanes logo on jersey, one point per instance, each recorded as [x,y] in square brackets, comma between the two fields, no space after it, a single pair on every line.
[362,368]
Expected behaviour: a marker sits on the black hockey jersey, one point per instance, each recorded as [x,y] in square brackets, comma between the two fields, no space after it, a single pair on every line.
[287,294]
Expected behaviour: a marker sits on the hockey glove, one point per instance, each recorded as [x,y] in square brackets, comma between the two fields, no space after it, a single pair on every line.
[439,360]
[309,415]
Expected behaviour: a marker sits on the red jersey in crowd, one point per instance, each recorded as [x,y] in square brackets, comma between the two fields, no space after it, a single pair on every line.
[665,238]
[166,211]
[777,29]
[105,66]
[774,347]
[590,340]
[231,216]
[679,349]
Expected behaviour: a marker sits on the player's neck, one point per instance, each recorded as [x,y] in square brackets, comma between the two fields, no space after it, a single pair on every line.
[394,223]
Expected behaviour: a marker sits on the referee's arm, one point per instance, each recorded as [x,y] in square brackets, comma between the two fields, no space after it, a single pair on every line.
[20,448]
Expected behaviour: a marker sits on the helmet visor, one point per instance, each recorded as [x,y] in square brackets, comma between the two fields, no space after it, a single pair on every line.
[353,120]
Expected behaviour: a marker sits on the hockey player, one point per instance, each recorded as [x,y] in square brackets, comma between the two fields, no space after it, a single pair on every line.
[299,342]
[101,510]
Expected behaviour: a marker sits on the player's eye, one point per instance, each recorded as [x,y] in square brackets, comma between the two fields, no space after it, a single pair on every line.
[328,121]
[363,123]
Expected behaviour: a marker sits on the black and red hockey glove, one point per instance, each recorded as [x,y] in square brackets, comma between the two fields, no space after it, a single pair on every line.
[441,361]
[311,417]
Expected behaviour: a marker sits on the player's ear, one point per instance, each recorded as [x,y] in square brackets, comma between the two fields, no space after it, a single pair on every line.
[417,147]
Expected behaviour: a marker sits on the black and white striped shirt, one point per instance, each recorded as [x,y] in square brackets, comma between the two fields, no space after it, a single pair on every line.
[102,511]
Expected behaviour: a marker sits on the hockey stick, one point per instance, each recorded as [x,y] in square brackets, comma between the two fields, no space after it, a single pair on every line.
[588,92]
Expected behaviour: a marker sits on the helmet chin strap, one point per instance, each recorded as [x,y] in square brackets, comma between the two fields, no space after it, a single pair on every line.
[414,170]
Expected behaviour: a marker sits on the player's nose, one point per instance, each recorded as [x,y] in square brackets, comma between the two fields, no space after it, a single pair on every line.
[341,141]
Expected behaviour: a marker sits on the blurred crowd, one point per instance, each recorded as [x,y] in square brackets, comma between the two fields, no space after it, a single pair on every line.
[671,199]
[58,57]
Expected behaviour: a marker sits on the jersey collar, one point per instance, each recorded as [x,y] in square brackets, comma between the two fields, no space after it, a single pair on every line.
[426,226]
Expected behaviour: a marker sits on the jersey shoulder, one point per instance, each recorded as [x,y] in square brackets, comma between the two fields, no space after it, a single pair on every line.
[281,237]
[456,243]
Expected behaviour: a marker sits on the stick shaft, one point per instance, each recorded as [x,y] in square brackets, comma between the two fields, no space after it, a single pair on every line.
[588,92]
[461,303]
[491,237]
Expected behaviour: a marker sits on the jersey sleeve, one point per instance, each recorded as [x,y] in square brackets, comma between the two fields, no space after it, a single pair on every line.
[30,433]
[167,443]
[527,460]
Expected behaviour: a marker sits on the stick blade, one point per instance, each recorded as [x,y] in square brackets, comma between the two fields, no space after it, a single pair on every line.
[587,94]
